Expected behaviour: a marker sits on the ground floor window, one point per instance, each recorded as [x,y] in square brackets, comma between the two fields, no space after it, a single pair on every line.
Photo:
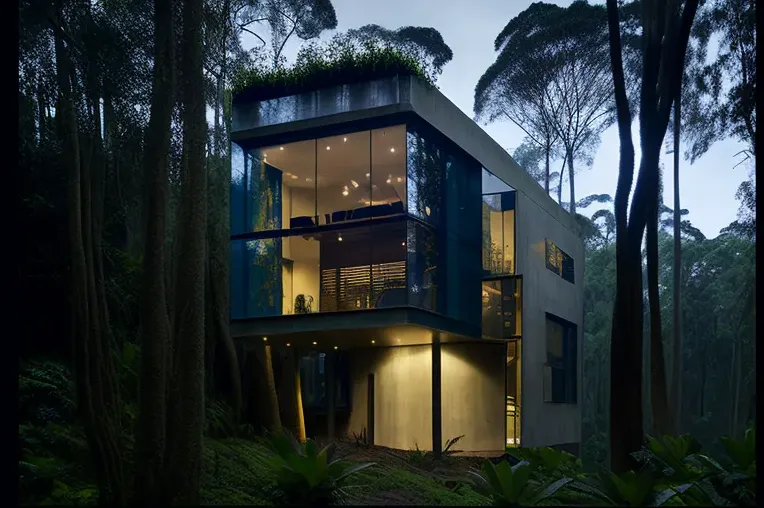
[560,382]
[513,381]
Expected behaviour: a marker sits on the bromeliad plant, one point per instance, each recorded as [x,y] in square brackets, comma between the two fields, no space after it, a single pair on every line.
[513,485]
[305,475]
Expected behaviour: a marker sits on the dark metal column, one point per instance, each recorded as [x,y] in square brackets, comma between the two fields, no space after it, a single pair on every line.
[330,392]
[437,429]
[370,410]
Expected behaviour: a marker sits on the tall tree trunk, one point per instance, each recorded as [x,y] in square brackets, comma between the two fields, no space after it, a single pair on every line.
[676,367]
[300,424]
[547,149]
[186,416]
[273,421]
[625,374]
[155,324]
[559,188]
[571,177]
[658,391]
[42,119]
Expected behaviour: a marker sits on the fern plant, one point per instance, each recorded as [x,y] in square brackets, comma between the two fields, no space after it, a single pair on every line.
[305,475]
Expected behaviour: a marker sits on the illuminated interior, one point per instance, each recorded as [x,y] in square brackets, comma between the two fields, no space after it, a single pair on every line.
[502,308]
[499,233]
[514,380]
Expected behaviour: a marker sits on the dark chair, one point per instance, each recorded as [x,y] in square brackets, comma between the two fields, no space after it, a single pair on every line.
[340,216]
[301,222]
[381,210]
[361,213]
[397,207]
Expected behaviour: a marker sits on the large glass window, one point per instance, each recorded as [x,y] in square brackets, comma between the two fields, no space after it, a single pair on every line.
[560,382]
[502,308]
[499,234]
[388,170]
[426,172]
[425,284]
[343,186]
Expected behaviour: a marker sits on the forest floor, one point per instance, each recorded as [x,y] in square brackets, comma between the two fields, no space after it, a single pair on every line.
[235,473]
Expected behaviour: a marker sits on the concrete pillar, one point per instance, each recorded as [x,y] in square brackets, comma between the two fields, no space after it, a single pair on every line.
[437,420]
[330,374]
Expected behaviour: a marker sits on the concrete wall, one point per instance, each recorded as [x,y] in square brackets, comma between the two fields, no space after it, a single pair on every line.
[544,423]
[403,395]
[472,395]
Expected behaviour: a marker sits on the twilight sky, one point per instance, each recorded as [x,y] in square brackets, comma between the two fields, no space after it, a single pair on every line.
[469,28]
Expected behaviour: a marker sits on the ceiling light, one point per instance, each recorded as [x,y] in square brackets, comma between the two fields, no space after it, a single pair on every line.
[294,177]
[367,175]
[389,179]
[427,210]
[399,179]
[403,244]
[328,147]
[335,347]
[355,184]
[372,341]
[265,155]
[308,179]
[345,140]
[345,191]
[265,338]
[339,238]
[392,150]
[288,344]
[315,343]
[281,148]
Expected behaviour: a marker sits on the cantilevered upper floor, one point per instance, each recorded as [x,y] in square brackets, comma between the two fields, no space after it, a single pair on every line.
[373,196]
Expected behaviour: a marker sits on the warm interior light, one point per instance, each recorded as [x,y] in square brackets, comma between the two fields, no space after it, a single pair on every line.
[354,183]
[339,238]
[281,148]
[328,147]
[399,179]
[403,244]
[265,338]
[308,179]
[335,347]
[345,191]
[367,175]
[389,179]
[372,341]
[392,150]
[345,139]
[427,210]
[265,155]
[294,177]
[288,344]
[315,343]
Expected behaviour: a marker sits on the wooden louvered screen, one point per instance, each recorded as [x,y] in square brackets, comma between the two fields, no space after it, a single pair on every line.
[357,287]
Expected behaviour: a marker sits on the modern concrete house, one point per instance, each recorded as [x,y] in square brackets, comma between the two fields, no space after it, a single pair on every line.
[425,279]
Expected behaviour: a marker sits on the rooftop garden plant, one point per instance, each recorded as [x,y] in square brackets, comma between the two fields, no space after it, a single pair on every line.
[342,60]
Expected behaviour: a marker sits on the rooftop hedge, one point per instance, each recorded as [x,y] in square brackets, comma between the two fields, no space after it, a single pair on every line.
[318,66]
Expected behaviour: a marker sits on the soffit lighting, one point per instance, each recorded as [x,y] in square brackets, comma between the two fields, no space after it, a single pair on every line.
[281,148]
[339,238]
[315,343]
[288,344]
[265,338]
[367,175]
[427,210]
[335,347]
[392,150]
[308,179]
[403,244]
[328,147]
[399,179]
[345,191]
[389,179]
[354,183]
[372,341]
[345,140]
[294,177]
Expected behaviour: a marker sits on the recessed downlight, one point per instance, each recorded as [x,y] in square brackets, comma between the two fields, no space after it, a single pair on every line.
[281,148]
[345,140]
[354,183]
[328,147]
[392,149]
[315,343]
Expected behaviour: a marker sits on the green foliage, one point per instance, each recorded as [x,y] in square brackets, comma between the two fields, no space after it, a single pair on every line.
[46,392]
[513,486]
[319,66]
[549,459]
[305,474]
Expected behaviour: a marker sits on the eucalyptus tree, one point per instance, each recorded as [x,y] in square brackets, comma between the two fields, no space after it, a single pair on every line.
[517,86]
[665,33]
[552,79]
[305,19]
[424,44]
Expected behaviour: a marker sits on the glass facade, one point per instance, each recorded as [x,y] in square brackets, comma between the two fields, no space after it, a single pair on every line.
[560,381]
[370,219]
[513,391]
[502,308]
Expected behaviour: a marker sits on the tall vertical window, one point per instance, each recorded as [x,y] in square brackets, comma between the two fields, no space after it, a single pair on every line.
[559,262]
[560,381]
[502,308]
[513,391]
[499,233]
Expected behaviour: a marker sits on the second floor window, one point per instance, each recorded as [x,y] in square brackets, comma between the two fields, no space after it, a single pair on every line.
[560,372]
[560,262]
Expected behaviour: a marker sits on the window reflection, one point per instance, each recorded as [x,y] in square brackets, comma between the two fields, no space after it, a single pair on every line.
[499,233]
[426,171]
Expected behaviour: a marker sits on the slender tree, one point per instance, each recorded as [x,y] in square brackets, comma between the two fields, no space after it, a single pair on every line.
[665,34]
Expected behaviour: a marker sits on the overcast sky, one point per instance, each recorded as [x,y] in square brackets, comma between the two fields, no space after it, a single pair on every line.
[469,27]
